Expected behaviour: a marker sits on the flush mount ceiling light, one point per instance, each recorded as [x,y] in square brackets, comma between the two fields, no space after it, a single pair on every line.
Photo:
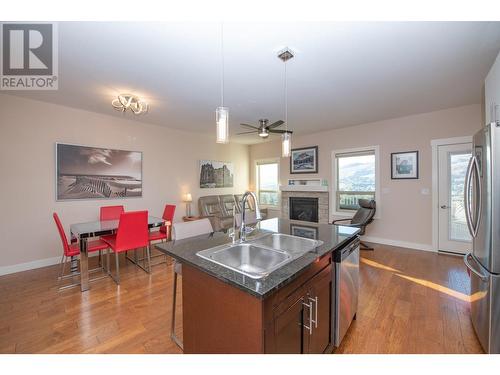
[286,138]
[263,132]
[130,102]
[222,113]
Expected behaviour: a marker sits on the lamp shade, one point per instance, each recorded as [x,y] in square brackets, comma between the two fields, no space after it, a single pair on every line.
[286,145]
[187,197]
[222,121]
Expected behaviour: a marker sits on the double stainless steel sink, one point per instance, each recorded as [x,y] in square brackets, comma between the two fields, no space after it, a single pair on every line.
[259,257]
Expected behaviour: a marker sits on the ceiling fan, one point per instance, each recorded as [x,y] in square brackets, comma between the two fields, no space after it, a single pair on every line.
[263,130]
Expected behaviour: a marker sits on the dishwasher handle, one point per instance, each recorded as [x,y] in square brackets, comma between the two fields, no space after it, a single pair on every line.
[350,248]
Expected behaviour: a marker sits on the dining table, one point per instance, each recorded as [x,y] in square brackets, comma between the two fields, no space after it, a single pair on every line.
[85,231]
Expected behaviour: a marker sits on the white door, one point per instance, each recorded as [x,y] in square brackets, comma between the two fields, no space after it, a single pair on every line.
[452,228]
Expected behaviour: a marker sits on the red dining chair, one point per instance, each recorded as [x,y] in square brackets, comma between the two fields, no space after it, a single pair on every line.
[73,249]
[164,233]
[111,212]
[165,230]
[132,234]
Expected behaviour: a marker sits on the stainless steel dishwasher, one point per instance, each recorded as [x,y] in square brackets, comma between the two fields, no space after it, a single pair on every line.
[345,292]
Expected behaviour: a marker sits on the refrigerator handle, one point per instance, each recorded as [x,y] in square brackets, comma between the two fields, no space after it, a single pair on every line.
[479,195]
[468,176]
[469,266]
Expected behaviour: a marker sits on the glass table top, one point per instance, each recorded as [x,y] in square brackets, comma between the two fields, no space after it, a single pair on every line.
[98,228]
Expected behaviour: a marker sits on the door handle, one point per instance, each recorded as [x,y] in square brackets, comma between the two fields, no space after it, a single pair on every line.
[472,269]
[444,207]
[315,321]
[468,214]
[310,307]
[479,195]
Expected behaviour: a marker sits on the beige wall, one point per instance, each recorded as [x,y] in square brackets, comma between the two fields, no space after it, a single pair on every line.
[406,213]
[28,132]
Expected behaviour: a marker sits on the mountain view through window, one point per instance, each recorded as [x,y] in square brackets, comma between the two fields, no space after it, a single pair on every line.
[356,179]
[267,175]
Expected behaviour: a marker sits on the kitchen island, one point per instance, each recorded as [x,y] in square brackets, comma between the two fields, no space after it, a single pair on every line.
[288,311]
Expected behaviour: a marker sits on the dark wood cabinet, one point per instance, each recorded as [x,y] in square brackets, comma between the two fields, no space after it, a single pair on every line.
[302,322]
[320,304]
[288,329]
[219,318]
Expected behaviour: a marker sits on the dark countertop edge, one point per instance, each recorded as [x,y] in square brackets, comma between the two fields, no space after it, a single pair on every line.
[249,291]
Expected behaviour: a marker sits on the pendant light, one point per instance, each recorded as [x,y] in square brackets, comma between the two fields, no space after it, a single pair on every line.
[286,137]
[222,113]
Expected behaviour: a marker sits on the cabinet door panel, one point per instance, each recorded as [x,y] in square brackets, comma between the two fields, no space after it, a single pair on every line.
[288,337]
[321,287]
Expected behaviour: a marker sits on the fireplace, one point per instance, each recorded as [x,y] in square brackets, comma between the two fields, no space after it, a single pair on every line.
[304,209]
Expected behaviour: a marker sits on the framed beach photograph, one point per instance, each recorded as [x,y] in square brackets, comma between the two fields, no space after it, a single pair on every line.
[85,172]
[304,160]
[216,174]
[404,165]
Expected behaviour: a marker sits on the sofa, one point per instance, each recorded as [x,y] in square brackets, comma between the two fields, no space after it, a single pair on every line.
[220,209]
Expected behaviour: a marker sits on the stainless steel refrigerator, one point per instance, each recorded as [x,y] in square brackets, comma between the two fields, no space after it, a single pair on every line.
[482,211]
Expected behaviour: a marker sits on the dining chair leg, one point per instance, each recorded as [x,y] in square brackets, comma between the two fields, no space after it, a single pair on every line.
[172,327]
[107,261]
[62,264]
[99,263]
[117,271]
[148,252]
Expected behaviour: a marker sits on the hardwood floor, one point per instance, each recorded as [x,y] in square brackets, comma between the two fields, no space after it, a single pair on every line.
[410,302]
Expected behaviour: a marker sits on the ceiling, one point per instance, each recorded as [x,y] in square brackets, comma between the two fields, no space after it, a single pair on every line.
[343,73]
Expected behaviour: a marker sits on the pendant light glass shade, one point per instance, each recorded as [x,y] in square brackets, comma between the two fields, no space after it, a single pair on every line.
[286,145]
[222,121]
[222,113]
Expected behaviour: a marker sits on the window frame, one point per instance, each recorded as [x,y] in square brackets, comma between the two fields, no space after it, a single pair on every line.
[257,182]
[334,212]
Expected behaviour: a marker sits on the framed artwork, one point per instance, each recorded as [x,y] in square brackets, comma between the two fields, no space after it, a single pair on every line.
[404,165]
[85,172]
[304,160]
[304,231]
[216,174]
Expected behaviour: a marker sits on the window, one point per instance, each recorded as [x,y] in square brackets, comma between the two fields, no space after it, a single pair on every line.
[267,183]
[355,178]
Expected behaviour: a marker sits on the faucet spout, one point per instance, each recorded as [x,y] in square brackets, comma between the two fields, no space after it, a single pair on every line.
[258,215]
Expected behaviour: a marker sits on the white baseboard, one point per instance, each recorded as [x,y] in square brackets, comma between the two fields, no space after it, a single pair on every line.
[6,270]
[408,245]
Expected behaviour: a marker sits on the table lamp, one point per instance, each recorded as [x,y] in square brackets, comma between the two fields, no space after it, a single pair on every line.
[188,199]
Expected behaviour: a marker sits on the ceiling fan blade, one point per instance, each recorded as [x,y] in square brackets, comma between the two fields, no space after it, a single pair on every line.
[250,126]
[280,131]
[251,132]
[275,124]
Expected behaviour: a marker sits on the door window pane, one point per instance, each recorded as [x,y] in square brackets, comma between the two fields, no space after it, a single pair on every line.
[458,225]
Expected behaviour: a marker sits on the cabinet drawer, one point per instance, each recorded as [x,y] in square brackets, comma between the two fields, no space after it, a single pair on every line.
[306,274]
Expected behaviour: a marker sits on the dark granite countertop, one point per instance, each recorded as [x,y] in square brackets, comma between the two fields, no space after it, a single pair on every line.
[333,237]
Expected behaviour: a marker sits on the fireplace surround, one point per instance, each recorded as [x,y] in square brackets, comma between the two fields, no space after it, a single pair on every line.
[304,209]
[322,199]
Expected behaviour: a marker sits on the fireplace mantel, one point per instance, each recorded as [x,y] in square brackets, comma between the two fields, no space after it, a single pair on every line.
[319,188]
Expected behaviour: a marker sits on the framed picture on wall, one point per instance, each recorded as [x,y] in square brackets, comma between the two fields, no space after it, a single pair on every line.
[216,174]
[304,160]
[404,165]
[85,172]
